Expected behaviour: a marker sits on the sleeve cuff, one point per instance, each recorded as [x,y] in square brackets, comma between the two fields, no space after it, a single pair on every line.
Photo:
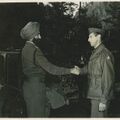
[103,100]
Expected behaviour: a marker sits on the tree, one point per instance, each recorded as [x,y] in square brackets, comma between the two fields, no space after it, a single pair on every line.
[99,13]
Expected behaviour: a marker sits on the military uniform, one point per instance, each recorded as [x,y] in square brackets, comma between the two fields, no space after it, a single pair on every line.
[35,66]
[100,71]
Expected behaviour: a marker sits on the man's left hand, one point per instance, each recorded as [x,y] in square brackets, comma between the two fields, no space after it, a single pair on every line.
[102,107]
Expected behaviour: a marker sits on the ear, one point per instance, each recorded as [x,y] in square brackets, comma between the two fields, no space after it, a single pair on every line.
[99,36]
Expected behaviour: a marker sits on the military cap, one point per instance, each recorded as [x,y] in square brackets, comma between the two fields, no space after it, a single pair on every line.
[30,30]
[96,30]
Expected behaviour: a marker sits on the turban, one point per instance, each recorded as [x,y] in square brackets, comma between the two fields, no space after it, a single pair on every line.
[30,30]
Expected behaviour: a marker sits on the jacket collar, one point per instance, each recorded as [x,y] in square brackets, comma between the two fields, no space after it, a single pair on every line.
[96,51]
[29,43]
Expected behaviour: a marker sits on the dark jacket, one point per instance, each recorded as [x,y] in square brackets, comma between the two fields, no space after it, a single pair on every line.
[35,66]
[35,63]
[100,71]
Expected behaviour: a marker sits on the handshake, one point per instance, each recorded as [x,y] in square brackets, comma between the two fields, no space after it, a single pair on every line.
[75,70]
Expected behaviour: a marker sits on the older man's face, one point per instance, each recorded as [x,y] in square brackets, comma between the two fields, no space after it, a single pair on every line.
[93,40]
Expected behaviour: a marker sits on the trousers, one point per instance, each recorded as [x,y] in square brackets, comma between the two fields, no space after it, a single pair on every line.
[95,113]
[34,93]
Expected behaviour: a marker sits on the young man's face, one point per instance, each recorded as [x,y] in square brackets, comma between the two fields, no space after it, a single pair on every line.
[93,40]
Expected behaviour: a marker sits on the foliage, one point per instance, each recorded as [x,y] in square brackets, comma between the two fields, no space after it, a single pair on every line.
[105,14]
[99,14]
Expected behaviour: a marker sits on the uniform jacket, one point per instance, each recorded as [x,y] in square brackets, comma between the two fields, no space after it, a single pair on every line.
[35,63]
[35,66]
[100,71]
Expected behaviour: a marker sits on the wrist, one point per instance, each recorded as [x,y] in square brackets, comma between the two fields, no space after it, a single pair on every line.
[103,100]
[70,70]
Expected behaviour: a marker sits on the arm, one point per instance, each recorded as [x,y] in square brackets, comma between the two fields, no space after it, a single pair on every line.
[41,61]
[107,78]
[84,70]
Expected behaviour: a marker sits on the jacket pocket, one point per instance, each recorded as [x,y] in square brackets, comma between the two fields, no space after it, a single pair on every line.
[94,92]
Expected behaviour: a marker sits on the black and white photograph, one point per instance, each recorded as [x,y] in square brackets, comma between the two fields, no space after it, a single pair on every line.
[60,59]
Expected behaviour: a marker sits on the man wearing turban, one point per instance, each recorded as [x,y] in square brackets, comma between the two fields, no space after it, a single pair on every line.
[35,65]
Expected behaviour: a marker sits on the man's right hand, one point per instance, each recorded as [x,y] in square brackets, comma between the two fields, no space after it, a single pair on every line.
[75,70]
